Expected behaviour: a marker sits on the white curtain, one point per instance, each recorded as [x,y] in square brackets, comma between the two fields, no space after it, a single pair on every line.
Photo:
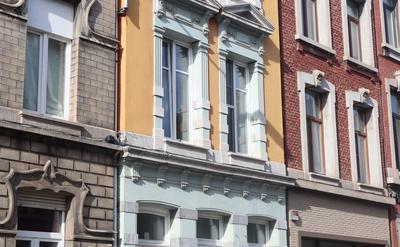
[31,81]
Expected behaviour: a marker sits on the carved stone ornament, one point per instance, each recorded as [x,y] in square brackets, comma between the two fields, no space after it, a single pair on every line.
[49,179]
[364,95]
[11,4]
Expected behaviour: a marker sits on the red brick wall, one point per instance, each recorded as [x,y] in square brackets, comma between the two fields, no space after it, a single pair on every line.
[294,60]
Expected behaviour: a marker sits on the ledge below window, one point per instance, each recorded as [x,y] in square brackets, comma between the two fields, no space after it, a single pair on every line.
[391,51]
[185,149]
[370,189]
[314,47]
[320,178]
[360,67]
[247,161]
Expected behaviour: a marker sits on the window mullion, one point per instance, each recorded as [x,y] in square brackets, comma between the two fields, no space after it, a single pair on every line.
[235,126]
[174,94]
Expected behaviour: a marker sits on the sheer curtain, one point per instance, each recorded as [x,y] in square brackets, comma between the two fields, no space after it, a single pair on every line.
[55,78]
[31,81]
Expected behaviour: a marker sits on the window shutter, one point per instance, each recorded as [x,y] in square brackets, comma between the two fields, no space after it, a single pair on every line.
[39,199]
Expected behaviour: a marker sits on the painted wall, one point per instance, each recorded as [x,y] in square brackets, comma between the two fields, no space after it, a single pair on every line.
[213,70]
[136,70]
[272,85]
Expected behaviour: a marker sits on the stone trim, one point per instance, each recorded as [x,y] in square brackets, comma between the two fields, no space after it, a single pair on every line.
[49,179]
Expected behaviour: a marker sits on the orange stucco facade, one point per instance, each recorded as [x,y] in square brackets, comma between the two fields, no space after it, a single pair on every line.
[136,76]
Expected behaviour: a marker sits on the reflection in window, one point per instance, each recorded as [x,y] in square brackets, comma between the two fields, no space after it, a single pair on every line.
[353,19]
[360,132]
[256,233]
[395,101]
[208,228]
[151,227]
[310,22]
[392,25]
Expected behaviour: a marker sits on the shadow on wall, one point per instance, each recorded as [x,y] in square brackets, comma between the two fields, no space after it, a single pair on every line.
[133,12]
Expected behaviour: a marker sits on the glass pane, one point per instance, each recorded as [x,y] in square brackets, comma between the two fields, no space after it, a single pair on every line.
[256,234]
[150,227]
[308,243]
[56,78]
[396,132]
[240,74]
[315,146]
[182,107]
[353,9]
[208,228]
[389,22]
[166,103]
[359,121]
[361,158]
[182,58]
[231,129]
[354,39]
[394,96]
[41,220]
[23,243]
[241,111]
[48,244]
[165,56]
[229,83]
[313,105]
[31,81]
[310,29]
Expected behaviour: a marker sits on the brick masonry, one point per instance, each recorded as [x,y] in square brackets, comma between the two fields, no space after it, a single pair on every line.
[336,218]
[94,166]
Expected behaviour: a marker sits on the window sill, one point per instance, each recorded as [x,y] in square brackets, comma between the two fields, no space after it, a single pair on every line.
[48,122]
[244,160]
[320,178]
[370,189]
[185,149]
[208,242]
[315,44]
[152,243]
[360,67]
[391,51]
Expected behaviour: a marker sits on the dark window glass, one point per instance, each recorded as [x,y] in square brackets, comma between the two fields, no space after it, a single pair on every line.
[360,134]
[395,100]
[353,18]
[41,220]
[392,25]
[150,227]
[256,233]
[48,244]
[167,90]
[208,228]
[23,243]
[310,23]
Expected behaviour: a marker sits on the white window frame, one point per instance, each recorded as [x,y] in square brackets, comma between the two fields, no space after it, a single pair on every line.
[247,75]
[172,81]
[211,242]
[267,231]
[306,81]
[324,25]
[373,141]
[36,237]
[366,36]
[43,66]
[159,211]
[385,43]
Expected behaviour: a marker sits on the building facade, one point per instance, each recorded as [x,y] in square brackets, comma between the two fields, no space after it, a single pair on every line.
[201,124]
[333,107]
[57,104]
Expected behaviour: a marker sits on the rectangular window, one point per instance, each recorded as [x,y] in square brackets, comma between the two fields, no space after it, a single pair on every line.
[395,101]
[353,19]
[151,227]
[46,74]
[360,133]
[315,132]
[39,227]
[257,234]
[175,67]
[208,228]
[236,96]
[310,19]
[392,25]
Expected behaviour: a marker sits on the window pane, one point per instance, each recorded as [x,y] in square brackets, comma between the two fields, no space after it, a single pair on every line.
[48,244]
[308,243]
[241,111]
[231,129]
[361,153]
[150,227]
[229,83]
[240,74]
[353,9]
[182,107]
[23,243]
[313,105]
[396,132]
[167,91]
[31,81]
[354,39]
[359,121]
[310,22]
[208,228]
[165,47]
[315,147]
[182,58]
[42,220]
[256,233]
[394,99]
[56,78]
[391,17]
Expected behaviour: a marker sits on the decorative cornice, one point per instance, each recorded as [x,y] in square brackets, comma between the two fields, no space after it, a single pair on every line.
[49,179]
[17,4]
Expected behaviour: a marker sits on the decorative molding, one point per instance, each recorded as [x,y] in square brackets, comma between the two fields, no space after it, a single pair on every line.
[161,175]
[227,185]
[49,179]
[184,179]
[17,4]
[135,172]
[206,183]
[246,188]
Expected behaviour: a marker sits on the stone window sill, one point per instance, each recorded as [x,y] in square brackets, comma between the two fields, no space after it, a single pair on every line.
[247,161]
[391,51]
[320,178]
[321,50]
[185,149]
[360,66]
[370,188]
